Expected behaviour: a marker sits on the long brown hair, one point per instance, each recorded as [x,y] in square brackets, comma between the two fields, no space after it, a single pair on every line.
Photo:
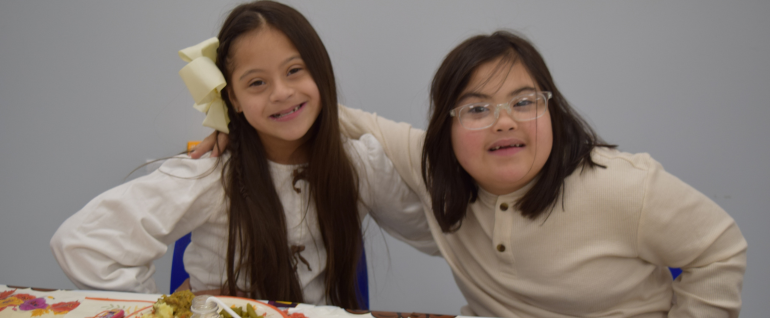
[450,186]
[257,249]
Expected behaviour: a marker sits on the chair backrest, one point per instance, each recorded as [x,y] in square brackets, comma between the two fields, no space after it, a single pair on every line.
[362,278]
[179,274]
[675,272]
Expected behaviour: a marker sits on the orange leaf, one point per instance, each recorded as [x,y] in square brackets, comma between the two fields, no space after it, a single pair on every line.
[24,296]
[6,293]
[39,312]
[63,308]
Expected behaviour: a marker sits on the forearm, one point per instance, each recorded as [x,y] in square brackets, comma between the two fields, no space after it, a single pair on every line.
[111,243]
[96,258]
[392,204]
[681,227]
[713,289]
[355,122]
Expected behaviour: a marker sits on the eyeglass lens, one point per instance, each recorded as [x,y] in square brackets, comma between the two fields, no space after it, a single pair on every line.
[521,108]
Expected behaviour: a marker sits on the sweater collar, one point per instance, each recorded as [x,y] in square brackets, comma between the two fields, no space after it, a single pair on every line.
[491,199]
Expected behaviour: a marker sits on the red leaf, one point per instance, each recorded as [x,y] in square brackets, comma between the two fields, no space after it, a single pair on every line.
[6,293]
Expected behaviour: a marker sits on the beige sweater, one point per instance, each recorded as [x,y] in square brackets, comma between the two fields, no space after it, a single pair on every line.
[604,255]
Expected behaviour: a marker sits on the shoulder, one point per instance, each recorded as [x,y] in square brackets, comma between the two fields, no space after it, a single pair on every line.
[182,172]
[185,167]
[620,181]
[617,160]
[366,150]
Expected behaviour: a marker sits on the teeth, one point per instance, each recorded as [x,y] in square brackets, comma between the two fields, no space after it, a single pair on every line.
[289,113]
[498,147]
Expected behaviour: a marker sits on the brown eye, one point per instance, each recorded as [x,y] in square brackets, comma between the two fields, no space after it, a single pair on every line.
[294,70]
[478,109]
[523,102]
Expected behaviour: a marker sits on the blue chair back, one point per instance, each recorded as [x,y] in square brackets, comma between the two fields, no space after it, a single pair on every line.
[362,281]
[179,274]
[675,272]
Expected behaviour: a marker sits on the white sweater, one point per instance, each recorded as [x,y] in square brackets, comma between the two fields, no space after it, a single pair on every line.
[111,243]
[604,254]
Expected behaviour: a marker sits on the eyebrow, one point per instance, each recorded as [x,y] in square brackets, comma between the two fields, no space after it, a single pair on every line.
[485,96]
[260,70]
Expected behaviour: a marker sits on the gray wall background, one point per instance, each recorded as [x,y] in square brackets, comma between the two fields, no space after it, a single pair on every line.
[89,90]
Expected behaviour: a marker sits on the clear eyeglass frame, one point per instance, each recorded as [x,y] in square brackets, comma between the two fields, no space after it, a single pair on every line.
[459,111]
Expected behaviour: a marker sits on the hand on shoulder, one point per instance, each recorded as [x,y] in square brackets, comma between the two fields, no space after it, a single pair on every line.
[216,143]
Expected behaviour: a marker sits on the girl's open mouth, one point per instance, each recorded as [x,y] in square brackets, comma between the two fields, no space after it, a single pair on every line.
[496,148]
[288,115]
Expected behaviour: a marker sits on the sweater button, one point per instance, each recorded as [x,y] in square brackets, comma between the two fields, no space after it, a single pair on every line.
[500,248]
[504,207]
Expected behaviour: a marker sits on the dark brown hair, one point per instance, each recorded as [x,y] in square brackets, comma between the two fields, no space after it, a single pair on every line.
[258,249]
[450,186]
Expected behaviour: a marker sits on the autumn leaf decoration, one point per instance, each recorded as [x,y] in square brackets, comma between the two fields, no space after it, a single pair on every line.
[37,306]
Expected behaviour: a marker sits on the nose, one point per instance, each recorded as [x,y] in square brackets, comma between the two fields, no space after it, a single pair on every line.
[281,91]
[505,121]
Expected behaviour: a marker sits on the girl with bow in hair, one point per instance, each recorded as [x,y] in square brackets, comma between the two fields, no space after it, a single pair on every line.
[278,215]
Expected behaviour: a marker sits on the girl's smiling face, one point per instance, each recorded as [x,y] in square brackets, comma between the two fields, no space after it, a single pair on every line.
[504,170]
[271,85]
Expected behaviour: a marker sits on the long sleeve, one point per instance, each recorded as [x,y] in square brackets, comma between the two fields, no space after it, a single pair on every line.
[401,142]
[391,203]
[110,244]
[681,227]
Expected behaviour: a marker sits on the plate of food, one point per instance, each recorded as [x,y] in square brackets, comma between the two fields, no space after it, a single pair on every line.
[177,305]
[260,309]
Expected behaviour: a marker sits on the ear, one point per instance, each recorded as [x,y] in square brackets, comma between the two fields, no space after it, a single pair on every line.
[233,100]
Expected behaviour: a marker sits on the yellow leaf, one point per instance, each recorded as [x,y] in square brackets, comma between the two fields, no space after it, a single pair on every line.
[39,312]
[12,301]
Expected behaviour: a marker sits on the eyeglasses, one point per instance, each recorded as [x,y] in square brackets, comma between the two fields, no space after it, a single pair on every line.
[523,107]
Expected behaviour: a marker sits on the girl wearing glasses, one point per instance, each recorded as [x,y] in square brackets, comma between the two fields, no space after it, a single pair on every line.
[539,217]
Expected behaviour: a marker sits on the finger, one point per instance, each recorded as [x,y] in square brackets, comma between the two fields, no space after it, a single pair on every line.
[216,148]
[204,146]
[221,144]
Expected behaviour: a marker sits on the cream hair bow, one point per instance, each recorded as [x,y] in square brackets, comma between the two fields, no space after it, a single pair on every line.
[205,82]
